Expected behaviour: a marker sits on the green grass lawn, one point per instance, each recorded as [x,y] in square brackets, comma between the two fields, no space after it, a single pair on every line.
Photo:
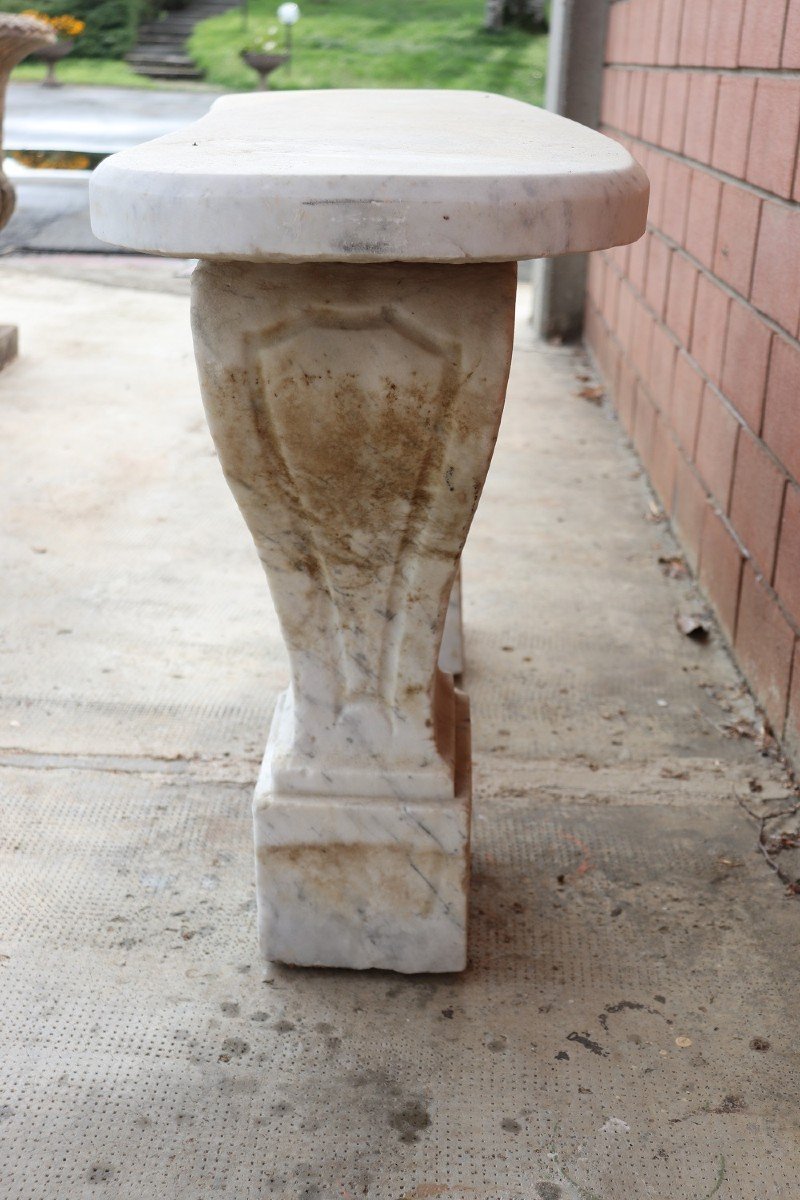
[348,43]
[378,43]
[84,70]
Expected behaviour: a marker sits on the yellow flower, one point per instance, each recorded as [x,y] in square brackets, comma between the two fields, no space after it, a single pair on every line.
[65,24]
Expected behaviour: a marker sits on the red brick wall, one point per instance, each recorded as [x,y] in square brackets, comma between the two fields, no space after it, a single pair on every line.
[696,327]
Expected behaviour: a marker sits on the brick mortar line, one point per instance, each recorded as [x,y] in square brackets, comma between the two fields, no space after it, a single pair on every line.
[719,69]
[717,173]
[746,553]
[781,467]
[784,27]
[739,541]
[759,575]
[685,451]
[788,73]
[787,479]
[776,329]
[673,432]
[784,494]
[789,686]
[712,500]
[743,552]
[751,278]
[731,292]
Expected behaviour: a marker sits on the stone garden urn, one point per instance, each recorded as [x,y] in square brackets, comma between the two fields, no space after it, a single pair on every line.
[19,36]
[52,54]
[263,64]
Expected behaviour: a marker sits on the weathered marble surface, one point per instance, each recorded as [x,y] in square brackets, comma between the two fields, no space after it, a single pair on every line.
[372,176]
[355,414]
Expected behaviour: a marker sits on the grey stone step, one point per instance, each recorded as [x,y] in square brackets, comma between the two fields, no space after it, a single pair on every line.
[160,48]
[166,72]
[156,47]
[160,34]
[165,33]
[155,60]
[184,22]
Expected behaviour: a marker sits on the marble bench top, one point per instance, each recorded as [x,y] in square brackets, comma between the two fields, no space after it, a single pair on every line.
[371,176]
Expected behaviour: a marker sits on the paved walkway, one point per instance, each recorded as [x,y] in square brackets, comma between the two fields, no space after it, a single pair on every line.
[627,1027]
[53,206]
[96,119]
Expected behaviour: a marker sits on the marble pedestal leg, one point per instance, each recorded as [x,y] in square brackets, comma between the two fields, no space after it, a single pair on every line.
[355,409]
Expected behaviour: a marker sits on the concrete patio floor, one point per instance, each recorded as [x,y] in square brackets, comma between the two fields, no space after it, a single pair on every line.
[627,1027]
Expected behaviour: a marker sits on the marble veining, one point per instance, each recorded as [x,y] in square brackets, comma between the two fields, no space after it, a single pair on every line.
[366,882]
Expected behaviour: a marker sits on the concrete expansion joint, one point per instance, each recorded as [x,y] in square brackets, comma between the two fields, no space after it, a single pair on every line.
[209,769]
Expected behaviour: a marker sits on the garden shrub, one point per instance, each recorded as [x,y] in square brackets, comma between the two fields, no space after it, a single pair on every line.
[111,25]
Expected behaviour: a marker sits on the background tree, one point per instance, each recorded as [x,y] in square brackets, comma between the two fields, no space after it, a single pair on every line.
[111,25]
[526,14]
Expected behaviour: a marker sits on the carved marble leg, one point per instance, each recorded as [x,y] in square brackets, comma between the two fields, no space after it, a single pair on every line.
[355,409]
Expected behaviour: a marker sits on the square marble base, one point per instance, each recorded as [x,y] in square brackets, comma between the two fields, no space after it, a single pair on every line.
[355,882]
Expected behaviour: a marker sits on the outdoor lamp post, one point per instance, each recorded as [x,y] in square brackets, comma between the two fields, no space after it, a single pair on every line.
[288,15]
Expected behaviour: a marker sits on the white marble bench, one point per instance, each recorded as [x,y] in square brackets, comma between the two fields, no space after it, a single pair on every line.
[353,319]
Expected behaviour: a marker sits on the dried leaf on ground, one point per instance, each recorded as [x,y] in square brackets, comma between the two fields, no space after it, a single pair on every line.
[739,729]
[595,394]
[765,739]
[673,566]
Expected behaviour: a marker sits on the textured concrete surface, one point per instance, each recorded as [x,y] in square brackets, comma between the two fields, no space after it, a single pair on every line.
[626,1029]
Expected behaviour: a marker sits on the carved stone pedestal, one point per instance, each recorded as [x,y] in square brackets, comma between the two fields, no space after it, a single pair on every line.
[354,410]
[353,323]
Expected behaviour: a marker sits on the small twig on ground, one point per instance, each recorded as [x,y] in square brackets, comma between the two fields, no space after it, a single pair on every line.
[721,729]
[720,1178]
[770,854]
